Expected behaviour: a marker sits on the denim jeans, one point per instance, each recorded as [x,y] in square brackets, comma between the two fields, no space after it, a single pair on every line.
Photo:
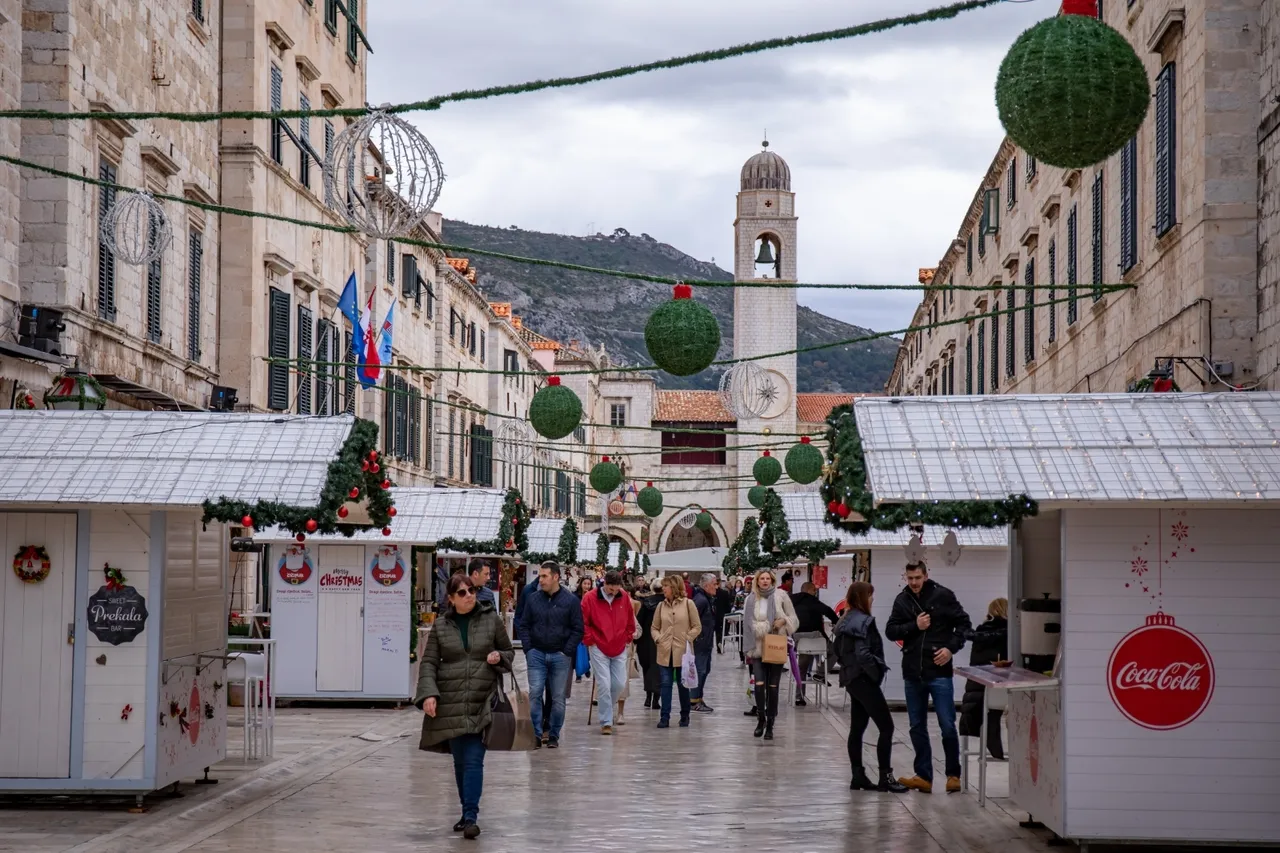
[610,679]
[670,676]
[943,691]
[468,772]
[702,660]
[548,669]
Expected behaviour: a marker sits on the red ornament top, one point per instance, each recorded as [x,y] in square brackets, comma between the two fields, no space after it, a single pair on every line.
[650,483]
[804,439]
[767,453]
[604,458]
[553,380]
[682,291]
[1080,7]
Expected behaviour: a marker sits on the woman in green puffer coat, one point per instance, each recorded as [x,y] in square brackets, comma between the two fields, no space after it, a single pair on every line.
[467,650]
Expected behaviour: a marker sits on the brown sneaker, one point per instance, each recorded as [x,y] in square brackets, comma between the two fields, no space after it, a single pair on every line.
[953,784]
[606,730]
[915,783]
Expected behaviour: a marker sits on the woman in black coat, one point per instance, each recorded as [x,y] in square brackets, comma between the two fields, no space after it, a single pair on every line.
[646,648]
[990,644]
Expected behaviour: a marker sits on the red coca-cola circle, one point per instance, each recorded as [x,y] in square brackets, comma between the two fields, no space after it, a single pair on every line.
[295,577]
[387,577]
[195,712]
[1160,676]
[1033,749]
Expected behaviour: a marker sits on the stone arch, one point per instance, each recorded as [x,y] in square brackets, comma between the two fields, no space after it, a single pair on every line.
[687,538]
[778,247]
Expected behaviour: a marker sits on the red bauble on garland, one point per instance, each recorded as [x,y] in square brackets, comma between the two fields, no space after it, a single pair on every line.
[386,484]
[833,507]
[386,531]
[373,456]
[343,512]
[843,511]
[247,521]
[312,526]
[391,511]
[301,537]
[364,466]
[375,468]
[354,493]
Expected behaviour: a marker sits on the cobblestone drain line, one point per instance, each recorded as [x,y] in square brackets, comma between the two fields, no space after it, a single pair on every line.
[249,795]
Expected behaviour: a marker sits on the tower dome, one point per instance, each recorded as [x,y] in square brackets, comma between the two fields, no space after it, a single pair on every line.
[766,171]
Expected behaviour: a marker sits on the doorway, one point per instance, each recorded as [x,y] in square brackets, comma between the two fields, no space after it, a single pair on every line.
[340,619]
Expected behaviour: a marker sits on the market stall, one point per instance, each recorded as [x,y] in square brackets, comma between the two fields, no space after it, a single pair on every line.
[344,609]
[113,619]
[972,562]
[694,561]
[1155,535]
[544,538]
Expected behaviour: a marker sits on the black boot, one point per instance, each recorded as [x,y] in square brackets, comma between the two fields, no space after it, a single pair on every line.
[768,729]
[759,725]
[889,784]
[861,782]
[995,744]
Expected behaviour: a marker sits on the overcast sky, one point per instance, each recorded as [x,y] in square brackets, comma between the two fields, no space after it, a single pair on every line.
[886,135]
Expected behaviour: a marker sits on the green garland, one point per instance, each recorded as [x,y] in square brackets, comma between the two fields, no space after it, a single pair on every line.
[602,549]
[567,547]
[537,558]
[624,556]
[513,529]
[413,615]
[346,472]
[774,530]
[845,486]
[1147,385]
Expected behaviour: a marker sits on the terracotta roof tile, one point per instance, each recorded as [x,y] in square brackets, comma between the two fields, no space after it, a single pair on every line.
[927,274]
[459,264]
[814,408]
[691,407]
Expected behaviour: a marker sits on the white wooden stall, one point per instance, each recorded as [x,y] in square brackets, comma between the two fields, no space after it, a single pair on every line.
[544,538]
[105,689]
[342,608]
[1159,529]
[979,574]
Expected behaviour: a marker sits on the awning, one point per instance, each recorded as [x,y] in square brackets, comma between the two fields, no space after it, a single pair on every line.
[159,399]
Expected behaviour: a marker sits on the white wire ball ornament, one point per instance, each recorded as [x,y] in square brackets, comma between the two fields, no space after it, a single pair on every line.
[382,175]
[747,390]
[135,228]
[687,518]
[515,442]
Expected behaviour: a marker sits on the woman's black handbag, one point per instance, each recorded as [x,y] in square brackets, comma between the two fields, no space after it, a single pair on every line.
[511,727]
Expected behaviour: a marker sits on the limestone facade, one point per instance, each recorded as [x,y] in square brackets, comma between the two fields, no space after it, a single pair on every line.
[1195,268]
[1269,170]
[150,326]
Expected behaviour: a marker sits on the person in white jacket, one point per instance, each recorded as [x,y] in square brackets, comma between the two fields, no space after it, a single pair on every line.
[766,612]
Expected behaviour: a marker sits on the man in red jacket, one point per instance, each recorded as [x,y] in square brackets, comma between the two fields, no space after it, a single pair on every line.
[609,625]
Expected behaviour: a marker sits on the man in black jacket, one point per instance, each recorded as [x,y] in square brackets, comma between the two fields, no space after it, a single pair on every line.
[812,613]
[550,629]
[930,625]
[724,606]
[704,599]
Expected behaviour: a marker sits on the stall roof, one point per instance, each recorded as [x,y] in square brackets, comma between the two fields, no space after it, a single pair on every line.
[424,516]
[1080,447]
[804,511]
[691,560]
[165,458]
[544,538]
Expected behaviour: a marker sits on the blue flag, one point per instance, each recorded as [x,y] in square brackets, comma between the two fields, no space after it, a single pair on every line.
[349,305]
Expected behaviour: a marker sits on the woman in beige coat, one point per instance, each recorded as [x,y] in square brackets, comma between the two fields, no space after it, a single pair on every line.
[675,624]
[766,611]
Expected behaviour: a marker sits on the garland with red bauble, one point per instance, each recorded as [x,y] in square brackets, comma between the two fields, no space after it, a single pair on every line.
[357,474]
[513,531]
[844,490]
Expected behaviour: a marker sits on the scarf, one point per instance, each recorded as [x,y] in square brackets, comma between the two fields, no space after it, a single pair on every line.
[771,604]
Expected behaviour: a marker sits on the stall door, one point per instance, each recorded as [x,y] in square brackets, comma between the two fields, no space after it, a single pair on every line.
[35,654]
[340,626]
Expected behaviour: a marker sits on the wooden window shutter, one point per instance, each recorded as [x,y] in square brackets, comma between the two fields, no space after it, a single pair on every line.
[968,254]
[402,418]
[195,261]
[968,365]
[106,258]
[981,369]
[349,375]
[1011,302]
[1166,150]
[1029,314]
[409,276]
[1053,293]
[277,102]
[1128,207]
[304,360]
[304,130]
[1073,255]
[995,349]
[278,348]
[1011,183]
[1095,236]
[415,425]
[155,289]
[391,262]
[389,415]
[324,383]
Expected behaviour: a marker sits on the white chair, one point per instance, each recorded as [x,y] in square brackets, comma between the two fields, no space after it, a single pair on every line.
[733,631]
[251,669]
[814,644]
[997,700]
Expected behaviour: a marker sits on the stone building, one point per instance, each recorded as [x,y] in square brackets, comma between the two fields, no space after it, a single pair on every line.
[1174,213]
[148,333]
[1269,195]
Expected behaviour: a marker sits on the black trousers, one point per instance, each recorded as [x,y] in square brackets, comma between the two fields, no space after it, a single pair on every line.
[867,704]
[719,631]
[767,677]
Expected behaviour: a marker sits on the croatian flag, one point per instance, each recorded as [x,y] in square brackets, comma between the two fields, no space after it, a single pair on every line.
[384,343]
[367,357]
[349,305]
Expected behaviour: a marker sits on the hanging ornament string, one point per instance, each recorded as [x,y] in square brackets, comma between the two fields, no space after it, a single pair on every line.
[939,14]
[135,228]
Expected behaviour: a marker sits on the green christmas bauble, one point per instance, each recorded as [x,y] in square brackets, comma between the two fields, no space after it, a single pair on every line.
[767,470]
[555,411]
[605,476]
[682,336]
[703,522]
[649,500]
[1071,91]
[756,495]
[804,463]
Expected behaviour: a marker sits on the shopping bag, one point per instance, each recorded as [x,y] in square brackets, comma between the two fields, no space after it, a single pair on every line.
[511,726]
[688,668]
[583,663]
[775,649]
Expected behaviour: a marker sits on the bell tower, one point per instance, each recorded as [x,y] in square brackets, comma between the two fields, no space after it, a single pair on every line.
[764,319]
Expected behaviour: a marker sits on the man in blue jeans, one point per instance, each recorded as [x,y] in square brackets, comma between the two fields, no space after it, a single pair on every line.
[704,598]
[550,629]
[930,625]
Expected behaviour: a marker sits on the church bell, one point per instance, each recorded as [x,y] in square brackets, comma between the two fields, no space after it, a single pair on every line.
[766,253]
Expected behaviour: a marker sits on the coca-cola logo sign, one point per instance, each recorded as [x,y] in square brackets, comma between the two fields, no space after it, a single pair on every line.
[1160,676]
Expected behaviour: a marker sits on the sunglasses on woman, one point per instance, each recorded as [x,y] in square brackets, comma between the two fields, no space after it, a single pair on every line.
[464,591]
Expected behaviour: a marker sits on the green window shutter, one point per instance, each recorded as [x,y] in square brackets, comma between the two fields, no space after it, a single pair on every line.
[305,378]
[1166,177]
[278,348]
[1073,255]
[195,268]
[155,288]
[106,258]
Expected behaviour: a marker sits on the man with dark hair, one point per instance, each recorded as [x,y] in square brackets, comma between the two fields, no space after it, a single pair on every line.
[609,625]
[811,611]
[550,629]
[704,599]
[480,583]
[929,622]
[724,606]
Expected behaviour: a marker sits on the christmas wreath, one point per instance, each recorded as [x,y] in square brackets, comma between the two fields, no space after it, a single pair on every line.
[31,564]
[357,473]
[844,489]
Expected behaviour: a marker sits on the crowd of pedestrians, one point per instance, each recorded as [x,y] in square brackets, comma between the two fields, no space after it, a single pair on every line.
[652,633]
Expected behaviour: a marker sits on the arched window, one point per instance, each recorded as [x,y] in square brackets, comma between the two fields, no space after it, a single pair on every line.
[682,538]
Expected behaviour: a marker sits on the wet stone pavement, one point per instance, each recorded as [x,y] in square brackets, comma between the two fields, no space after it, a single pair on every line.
[354,780]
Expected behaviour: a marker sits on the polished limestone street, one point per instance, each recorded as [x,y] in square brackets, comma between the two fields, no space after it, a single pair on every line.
[354,780]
